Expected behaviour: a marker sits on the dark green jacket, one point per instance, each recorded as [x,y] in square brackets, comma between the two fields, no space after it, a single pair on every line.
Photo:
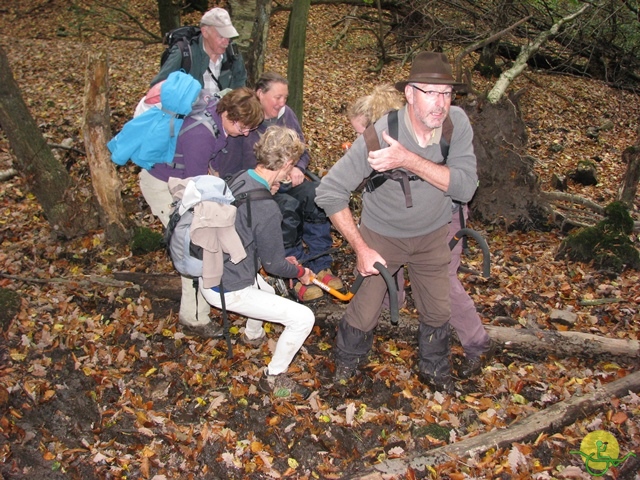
[234,76]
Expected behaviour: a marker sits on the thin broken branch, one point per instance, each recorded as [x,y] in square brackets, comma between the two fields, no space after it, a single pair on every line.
[64,147]
[473,47]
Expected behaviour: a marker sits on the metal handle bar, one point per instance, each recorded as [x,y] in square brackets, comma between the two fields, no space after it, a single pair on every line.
[486,255]
[391,287]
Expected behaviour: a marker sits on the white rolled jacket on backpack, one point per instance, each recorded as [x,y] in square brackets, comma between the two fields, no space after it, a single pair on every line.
[213,226]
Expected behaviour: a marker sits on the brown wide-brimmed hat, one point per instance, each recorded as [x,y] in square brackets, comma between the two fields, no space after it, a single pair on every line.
[432,68]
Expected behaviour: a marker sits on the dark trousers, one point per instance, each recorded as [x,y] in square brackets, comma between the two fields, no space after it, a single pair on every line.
[303,223]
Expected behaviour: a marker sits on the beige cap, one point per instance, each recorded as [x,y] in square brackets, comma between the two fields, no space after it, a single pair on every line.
[219,18]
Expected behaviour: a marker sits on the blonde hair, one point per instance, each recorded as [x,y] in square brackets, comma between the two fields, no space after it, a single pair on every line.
[277,146]
[380,101]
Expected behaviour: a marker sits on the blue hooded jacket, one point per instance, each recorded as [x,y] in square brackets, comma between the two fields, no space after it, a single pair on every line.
[151,137]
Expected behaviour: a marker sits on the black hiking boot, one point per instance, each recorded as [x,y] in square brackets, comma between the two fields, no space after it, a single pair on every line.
[473,365]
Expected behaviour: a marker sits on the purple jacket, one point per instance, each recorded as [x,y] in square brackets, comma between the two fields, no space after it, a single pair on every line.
[238,154]
[195,147]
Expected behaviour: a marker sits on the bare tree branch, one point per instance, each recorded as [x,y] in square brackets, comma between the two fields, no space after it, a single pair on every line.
[482,43]
[520,64]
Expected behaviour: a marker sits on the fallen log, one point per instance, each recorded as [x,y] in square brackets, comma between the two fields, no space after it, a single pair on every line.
[549,421]
[563,344]
[163,285]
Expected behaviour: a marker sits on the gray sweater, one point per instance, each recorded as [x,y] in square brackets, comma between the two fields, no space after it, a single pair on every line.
[262,241]
[384,211]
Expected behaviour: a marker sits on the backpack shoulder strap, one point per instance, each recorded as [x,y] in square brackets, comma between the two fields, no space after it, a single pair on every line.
[392,121]
[371,138]
[231,54]
[445,138]
[372,141]
[248,196]
[184,45]
[202,118]
[185,54]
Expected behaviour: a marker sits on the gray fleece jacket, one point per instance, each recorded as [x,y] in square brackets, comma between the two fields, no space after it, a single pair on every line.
[384,211]
[262,240]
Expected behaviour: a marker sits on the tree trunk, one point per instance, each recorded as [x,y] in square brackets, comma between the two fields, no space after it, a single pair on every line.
[548,421]
[106,183]
[251,19]
[295,67]
[169,15]
[631,156]
[68,210]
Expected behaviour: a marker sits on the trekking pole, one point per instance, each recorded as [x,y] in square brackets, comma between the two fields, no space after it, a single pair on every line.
[225,323]
[388,278]
[312,176]
[486,255]
[318,255]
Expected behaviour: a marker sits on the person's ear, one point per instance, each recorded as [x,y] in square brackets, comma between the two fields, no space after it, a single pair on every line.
[408,93]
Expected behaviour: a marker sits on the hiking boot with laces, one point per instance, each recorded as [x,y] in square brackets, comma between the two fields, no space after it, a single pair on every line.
[253,343]
[307,293]
[328,278]
[281,386]
[473,365]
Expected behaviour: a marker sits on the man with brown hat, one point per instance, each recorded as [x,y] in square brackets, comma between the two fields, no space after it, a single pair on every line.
[405,221]
[214,61]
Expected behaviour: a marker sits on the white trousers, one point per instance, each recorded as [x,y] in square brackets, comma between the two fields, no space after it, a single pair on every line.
[260,304]
[194,309]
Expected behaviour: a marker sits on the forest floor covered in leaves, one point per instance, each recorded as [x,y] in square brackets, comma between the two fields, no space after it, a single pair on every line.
[98,381]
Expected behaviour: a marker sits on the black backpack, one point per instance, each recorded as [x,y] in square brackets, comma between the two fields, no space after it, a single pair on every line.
[184,37]
[376,179]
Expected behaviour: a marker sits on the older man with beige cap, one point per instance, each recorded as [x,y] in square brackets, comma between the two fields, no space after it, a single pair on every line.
[214,60]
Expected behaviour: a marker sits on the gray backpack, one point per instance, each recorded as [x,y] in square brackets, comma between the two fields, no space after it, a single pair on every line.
[186,256]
